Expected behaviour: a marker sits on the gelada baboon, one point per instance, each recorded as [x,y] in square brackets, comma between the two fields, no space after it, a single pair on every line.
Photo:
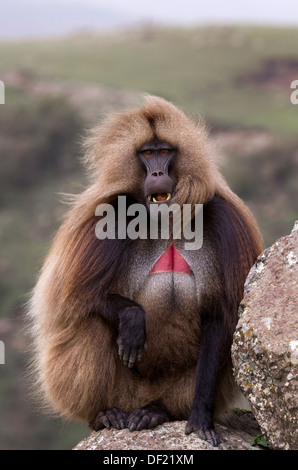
[135,332]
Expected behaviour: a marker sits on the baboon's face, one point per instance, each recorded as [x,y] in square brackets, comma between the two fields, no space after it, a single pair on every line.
[157,159]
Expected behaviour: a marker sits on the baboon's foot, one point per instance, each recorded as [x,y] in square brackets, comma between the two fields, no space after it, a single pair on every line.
[114,417]
[147,417]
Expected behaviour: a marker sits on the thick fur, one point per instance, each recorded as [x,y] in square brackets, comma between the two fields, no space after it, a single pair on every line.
[75,360]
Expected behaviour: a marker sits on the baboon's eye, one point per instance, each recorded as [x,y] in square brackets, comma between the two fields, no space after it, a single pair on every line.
[148,153]
[164,152]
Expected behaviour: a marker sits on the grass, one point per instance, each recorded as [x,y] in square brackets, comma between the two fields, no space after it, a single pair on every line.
[196,68]
[28,223]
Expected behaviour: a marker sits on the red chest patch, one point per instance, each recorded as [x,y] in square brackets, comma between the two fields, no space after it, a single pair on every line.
[171,261]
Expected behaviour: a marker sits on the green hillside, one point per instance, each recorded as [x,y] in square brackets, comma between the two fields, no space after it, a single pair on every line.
[201,69]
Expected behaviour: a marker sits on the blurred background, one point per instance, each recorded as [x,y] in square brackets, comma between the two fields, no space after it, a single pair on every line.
[65,64]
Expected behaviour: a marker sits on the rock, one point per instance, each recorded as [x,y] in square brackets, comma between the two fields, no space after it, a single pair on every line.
[265,348]
[168,436]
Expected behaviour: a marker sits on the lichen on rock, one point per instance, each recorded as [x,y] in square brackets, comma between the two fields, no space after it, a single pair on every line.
[265,347]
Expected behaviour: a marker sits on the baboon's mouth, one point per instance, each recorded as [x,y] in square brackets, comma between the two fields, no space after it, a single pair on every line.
[159,197]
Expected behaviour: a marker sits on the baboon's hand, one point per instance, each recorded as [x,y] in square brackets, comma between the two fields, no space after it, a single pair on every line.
[132,335]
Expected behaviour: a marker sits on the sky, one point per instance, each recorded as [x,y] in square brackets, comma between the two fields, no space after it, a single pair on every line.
[272,11]
[35,18]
